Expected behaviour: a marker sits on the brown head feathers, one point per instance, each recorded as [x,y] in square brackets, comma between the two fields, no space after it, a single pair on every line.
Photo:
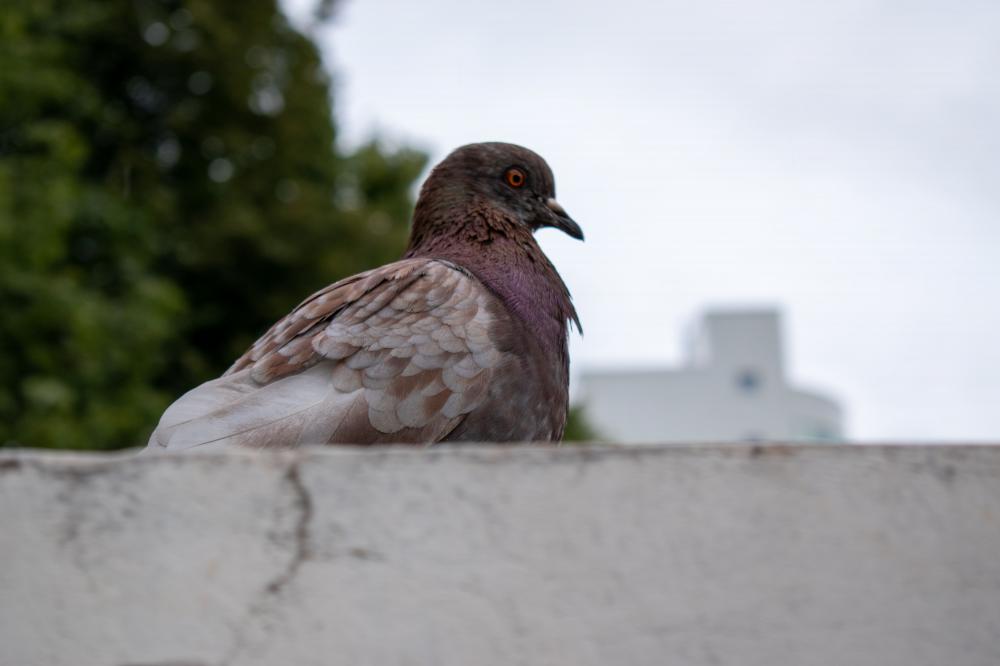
[479,208]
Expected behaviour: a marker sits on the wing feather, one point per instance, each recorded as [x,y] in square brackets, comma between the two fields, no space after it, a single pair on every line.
[401,353]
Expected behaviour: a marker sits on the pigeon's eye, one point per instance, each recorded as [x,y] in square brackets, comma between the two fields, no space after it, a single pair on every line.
[515,177]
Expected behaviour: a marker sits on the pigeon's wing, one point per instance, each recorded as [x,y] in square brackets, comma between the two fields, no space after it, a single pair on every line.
[398,354]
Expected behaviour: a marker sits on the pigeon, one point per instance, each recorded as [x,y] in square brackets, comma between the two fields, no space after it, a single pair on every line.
[464,339]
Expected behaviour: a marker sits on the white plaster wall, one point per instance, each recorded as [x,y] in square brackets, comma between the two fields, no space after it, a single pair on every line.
[811,555]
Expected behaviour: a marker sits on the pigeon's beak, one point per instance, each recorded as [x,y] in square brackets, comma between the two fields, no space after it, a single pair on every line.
[559,219]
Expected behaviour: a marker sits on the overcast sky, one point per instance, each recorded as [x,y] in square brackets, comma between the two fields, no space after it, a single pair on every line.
[839,160]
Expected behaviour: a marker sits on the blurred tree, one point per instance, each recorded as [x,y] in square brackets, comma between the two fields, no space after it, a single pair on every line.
[169,186]
[578,428]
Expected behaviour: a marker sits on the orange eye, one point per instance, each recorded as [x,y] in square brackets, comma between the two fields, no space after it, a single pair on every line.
[515,177]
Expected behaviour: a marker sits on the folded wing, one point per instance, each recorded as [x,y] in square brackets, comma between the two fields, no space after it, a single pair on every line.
[398,354]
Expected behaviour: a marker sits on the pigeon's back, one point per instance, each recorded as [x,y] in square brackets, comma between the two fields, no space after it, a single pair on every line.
[405,353]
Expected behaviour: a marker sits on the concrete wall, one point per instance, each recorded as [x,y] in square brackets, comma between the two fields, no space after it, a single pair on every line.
[656,555]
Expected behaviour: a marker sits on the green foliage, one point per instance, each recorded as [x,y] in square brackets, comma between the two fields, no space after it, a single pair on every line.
[578,428]
[169,186]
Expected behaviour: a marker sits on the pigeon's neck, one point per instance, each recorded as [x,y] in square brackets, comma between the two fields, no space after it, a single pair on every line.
[505,257]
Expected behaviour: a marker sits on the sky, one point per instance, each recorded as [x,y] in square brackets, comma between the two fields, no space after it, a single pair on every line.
[840,161]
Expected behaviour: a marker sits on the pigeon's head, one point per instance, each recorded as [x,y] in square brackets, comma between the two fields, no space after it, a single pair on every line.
[512,178]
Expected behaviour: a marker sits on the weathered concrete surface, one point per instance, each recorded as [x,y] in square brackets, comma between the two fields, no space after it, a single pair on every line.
[676,555]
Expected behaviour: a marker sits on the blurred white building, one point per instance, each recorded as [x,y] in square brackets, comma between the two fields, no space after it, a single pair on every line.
[732,388]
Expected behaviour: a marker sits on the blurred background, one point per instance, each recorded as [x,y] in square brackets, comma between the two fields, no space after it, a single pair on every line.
[793,228]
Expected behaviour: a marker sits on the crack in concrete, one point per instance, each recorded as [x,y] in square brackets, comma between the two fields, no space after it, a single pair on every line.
[302,550]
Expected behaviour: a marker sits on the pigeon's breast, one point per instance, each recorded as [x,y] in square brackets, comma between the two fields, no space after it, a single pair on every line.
[527,398]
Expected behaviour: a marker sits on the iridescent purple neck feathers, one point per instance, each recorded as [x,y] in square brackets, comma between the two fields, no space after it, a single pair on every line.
[504,256]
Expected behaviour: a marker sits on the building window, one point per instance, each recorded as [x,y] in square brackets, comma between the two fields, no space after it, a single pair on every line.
[748,380]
